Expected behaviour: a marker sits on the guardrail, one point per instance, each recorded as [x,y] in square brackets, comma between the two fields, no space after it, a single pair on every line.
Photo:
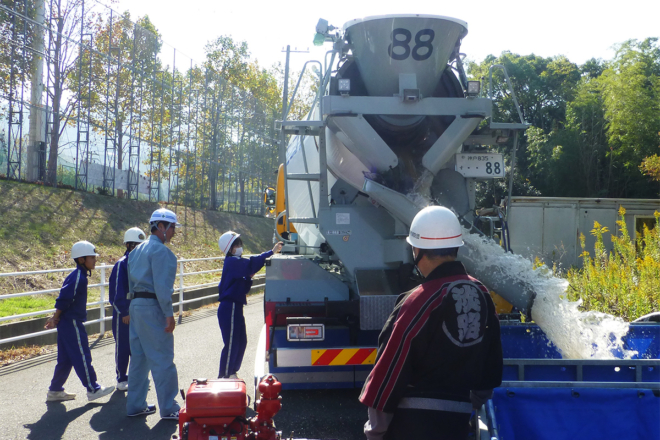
[103,302]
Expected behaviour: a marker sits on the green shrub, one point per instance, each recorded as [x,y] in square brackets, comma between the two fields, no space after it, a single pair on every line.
[624,282]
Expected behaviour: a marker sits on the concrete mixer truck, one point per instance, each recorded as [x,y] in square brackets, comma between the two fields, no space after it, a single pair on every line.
[397,126]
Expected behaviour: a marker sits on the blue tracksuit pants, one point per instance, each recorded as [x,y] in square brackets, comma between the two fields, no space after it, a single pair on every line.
[234,336]
[122,346]
[73,352]
[151,349]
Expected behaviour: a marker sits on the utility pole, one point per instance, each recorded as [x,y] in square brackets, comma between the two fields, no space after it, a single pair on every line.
[36,147]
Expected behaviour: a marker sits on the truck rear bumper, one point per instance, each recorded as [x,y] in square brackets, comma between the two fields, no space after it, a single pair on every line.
[320,377]
[324,357]
[322,368]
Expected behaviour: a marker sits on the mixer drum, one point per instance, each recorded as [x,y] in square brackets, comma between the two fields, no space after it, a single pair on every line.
[383,48]
[387,46]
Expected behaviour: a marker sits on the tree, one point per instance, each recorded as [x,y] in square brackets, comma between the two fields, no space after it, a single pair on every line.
[125,59]
[543,86]
[631,94]
[68,21]
[15,34]
[243,103]
[570,160]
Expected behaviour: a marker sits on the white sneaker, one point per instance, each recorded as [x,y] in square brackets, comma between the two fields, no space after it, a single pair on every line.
[233,376]
[122,386]
[58,396]
[103,391]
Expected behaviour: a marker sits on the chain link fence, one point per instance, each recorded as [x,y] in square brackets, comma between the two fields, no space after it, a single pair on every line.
[91,100]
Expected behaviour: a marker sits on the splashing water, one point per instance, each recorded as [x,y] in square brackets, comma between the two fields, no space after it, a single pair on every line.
[576,334]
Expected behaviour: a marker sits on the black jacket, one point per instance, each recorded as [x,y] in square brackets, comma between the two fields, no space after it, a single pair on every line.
[441,340]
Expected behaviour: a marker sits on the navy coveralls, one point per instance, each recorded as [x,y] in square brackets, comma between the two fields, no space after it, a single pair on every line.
[120,304]
[72,345]
[234,285]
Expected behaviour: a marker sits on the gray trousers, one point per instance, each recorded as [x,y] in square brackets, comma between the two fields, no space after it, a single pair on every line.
[151,350]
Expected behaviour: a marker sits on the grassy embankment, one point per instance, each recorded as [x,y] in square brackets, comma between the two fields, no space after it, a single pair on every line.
[624,282]
[39,224]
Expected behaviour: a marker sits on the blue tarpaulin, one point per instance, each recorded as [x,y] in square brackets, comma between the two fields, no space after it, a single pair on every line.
[577,413]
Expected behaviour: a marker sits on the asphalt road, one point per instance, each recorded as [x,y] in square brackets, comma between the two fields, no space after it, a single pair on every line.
[24,413]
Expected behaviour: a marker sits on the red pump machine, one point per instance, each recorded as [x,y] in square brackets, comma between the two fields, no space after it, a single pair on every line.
[215,409]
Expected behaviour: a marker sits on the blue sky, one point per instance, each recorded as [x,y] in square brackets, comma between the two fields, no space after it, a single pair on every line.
[579,29]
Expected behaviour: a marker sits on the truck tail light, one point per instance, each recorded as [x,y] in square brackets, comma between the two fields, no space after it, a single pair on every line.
[305,332]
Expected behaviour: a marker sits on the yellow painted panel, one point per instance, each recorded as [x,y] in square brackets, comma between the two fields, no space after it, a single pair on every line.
[371,359]
[344,356]
[316,354]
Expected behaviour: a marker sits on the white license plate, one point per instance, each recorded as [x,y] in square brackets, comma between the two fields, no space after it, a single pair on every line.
[305,332]
[483,165]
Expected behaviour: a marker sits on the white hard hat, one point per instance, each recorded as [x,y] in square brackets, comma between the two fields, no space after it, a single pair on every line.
[134,235]
[83,249]
[164,215]
[435,227]
[225,241]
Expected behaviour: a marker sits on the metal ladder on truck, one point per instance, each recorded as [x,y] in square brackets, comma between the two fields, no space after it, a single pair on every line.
[304,128]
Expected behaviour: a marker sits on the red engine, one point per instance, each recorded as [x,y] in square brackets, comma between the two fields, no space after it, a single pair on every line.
[216,410]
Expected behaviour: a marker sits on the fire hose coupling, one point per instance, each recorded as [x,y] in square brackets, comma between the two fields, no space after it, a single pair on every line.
[270,387]
[262,425]
[271,401]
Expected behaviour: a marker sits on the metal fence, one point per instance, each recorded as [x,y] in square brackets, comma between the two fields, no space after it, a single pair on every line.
[103,301]
[84,86]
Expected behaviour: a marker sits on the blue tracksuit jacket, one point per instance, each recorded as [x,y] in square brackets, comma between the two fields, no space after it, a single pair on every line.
[72,343]
[119,286]
[237,277]
[73,296]
[120,304]
[233,289]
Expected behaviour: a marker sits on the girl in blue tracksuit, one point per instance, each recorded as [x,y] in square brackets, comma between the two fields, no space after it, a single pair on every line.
[72,344]
[234,285]
[120,319]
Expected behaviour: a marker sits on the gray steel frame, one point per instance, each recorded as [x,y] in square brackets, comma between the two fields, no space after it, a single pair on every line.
[135,122]
[637,364]
[110,150]
[154,165]
[174,128]
[84,108]
[176,137]
[241,118]
[189,144]
[16,107]
[204,136]
[195,137]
